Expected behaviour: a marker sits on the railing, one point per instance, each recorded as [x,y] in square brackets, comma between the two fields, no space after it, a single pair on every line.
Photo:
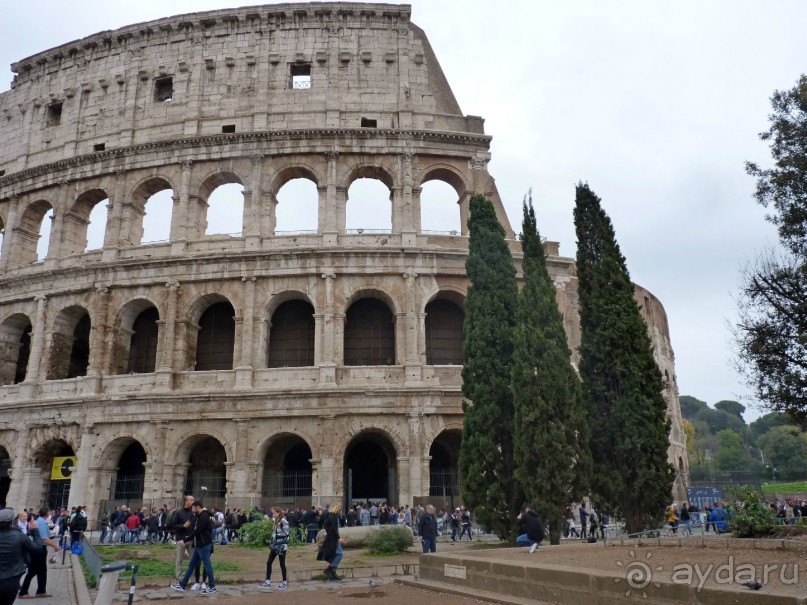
[453,232]
[92,559]
[362,230]
[297,232]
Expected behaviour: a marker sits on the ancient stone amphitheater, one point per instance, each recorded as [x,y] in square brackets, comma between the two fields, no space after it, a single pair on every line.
[267,366]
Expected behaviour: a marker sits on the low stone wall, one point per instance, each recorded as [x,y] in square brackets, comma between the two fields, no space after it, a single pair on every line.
[354,537]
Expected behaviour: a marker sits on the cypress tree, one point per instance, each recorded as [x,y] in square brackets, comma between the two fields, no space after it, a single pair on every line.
[486,453]
[622,384]
[551,455]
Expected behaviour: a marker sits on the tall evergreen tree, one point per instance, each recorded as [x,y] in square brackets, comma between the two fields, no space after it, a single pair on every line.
[622,384]
[486,454]
[552,458]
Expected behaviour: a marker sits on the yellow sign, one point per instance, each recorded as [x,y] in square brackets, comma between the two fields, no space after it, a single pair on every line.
[61,468]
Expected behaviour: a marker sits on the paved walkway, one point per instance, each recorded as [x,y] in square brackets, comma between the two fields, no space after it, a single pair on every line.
[60,584]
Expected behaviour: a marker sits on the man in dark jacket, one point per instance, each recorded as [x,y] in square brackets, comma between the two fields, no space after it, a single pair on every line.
[530,524]
[201,535]
[427,530]
[181,522]
[14,546]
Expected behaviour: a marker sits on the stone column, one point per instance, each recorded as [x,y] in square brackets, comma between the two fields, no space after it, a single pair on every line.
[244,369]
[100,330]
[464,203]
[334,204]
[181,228]
[316,481]
[35,359]
[153,484]
[416,471]
[112,235]
[79,480]
[19,471]
[8,231]
[327,357]
[57,228]
[237,470]
[251,228]
[411,332]
[410,213]
[167,337]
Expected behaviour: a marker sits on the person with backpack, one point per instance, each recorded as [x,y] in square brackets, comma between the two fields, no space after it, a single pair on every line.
[530,523]
[278,547]
[77,525]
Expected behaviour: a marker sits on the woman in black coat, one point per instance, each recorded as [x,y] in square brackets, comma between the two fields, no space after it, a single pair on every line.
[331,550]
[15,547]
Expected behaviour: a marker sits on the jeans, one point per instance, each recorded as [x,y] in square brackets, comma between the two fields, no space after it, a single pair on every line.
[337,557]
[200,554]
[523,540]
[429,545]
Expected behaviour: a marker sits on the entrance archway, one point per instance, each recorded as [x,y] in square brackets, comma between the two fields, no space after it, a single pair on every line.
[131,475]
[5,479]
[370,470]
[207,470]
[56,471]
[444,475]
[287,473]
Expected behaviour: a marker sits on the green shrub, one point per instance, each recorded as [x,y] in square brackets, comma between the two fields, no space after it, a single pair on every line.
[256,533]
[389,540]
[753,519]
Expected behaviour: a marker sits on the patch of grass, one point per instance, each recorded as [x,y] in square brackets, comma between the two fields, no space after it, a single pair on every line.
[89,577]
[153,567]
[485,545]
[785,488]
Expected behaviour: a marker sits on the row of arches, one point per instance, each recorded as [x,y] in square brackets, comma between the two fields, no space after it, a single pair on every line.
[218,209]
[369,337]
[370,469]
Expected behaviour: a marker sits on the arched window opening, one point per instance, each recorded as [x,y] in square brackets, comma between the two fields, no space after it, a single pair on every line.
[297,207]
[2,235]
[43,244]
[96,230]
[143,344]
[439,209]
[369,334]
[225,212]
[287,473]
[5,476]
[70,344]
[444,477]
[157,217]
[369,207]
[444,339]
[291,337]
[15,348]
[216,338]
[208,470]
[131,475]
[56,462]
[370,465]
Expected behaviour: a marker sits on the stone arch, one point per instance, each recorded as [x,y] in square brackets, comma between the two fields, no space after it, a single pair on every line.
[291,335]
[364,210]
[286,479]
[373,291]
[70,343]
[27,233]
[5,479]
[297,170]
[134,228]
[214,210]
[437,209]
[121,459]
[443,329]
[206,454]
[54,492]
[370,460]
[369,170]
[299,201]
[2,232]
[77,220]
[369,333]
[448,174]
[15,348]
[444,476]
[135,350]
[211,337]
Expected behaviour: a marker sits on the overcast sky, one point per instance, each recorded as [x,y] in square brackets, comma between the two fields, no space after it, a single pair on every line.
[655,104]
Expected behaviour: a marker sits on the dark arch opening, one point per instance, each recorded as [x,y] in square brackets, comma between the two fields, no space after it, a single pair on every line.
[444,477]
[24,354]
[444,338]
[370,470]
[291,337]
[15,348]
[287,473]
[207,469]
[216,339]
[131,474]
[369,334]
[55,473]
[80,351]
[5,479]
[143,344]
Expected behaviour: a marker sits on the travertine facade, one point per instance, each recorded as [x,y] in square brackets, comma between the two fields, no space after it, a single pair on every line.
[267,367]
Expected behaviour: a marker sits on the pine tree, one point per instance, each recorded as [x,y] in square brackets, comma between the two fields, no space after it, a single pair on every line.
[622,384]
[486,454]
[551,455]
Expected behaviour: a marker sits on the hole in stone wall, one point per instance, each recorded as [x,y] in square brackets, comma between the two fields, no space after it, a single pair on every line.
[2,172]
[439,210]
[163,89]
[99,147]
[44,236]
[53,115]
[225,212]
[96,230]
[228,128]
[368,123]
[301,76]
[297,208]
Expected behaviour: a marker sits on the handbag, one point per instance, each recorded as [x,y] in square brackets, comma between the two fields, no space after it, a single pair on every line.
[76,548]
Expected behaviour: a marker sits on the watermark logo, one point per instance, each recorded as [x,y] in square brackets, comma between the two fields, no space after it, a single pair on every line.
[639,574]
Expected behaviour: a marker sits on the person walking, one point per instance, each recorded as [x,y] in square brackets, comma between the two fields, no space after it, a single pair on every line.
[202,536]
[180,524]
[39,562]
[14,547]
[278,547]
[331,550]
[427,529]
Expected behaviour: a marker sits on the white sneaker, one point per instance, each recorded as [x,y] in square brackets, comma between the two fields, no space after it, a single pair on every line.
[266,584]
[282,586]
[204,586]
[534,547]
[195,586]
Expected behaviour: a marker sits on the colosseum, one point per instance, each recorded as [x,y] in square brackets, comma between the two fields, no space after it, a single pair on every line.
[269,365]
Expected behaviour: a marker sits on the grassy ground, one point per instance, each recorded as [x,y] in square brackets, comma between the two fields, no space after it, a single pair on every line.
[785,488]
